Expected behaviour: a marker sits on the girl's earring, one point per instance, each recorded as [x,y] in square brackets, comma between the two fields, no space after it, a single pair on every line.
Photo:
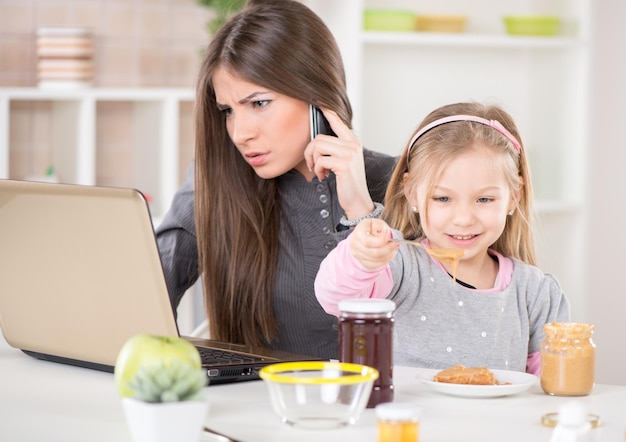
[512,212]
[414,209]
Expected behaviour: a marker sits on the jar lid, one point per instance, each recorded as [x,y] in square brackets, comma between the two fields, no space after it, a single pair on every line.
[367,305]
[398,411]
[551,420]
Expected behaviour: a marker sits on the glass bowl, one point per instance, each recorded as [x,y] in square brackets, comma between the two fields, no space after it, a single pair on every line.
[318,394]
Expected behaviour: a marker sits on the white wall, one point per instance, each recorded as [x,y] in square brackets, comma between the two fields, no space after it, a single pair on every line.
[607,191]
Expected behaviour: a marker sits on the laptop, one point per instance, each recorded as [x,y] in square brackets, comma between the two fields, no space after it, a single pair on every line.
[80,273]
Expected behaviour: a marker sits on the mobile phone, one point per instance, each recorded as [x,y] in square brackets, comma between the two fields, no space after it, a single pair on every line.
[319,123]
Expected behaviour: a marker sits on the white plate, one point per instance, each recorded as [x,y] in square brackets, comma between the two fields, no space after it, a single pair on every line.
[518,382]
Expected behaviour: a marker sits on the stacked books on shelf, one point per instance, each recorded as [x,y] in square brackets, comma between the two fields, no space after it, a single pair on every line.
[64,57]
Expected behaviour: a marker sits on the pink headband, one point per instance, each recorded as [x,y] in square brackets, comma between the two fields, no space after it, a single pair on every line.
[451,119]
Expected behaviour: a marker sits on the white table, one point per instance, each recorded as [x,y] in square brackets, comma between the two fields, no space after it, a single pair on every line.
[45,401]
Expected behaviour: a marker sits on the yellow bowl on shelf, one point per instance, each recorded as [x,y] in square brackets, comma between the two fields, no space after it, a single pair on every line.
[441,23]
[319,394]
[535,25]
[388,20]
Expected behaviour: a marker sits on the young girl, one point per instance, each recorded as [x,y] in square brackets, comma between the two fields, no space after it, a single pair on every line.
[462,183]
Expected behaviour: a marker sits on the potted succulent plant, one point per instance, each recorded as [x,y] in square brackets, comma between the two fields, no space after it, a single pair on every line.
[160,381]
[223,9]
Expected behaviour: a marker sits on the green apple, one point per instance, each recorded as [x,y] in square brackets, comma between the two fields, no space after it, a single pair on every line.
[145,349]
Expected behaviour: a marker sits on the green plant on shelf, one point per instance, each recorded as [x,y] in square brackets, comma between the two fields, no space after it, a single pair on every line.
[223,10]
[171,382]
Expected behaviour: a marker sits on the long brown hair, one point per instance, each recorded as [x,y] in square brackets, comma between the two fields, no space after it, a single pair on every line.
[434,150]
[283,46]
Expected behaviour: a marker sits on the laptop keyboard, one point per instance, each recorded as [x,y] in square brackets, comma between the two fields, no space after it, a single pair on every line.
[211,356]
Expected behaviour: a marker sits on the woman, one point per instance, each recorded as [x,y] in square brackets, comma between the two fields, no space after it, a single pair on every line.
[269,202]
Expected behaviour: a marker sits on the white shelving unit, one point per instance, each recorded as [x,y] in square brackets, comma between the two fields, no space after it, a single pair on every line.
[396,78]
[74,119]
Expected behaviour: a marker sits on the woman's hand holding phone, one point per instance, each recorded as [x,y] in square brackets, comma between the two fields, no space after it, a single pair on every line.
[343,155]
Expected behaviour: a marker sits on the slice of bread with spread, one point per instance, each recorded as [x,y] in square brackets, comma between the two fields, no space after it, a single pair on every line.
[459,374]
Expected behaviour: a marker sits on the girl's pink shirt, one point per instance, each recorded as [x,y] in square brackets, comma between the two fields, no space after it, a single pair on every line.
[382,283]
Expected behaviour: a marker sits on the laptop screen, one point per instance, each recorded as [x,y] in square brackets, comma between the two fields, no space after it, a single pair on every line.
[80,269]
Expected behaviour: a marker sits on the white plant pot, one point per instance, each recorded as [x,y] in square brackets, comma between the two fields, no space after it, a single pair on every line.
[167,421]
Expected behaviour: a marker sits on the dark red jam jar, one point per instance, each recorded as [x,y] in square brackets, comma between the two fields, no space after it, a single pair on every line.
[366,338]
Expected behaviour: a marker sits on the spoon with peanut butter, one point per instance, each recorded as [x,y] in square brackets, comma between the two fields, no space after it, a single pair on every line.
[451,256]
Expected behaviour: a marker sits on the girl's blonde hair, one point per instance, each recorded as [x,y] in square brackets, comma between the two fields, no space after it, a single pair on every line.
[433,151]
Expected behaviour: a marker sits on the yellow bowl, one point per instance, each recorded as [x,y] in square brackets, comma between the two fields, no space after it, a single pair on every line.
[536,25]
[388,20]
[319,394]
[441,23]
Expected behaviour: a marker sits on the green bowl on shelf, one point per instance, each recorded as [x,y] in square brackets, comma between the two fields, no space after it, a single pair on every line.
[389,20]
[535,25]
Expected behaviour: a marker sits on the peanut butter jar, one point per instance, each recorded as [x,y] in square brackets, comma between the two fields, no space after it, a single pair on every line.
[568,357]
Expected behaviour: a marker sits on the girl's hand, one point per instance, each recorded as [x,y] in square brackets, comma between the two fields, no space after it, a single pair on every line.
[343,155]
[370,245]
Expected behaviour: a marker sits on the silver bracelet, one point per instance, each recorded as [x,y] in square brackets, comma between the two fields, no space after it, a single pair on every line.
[378,209]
